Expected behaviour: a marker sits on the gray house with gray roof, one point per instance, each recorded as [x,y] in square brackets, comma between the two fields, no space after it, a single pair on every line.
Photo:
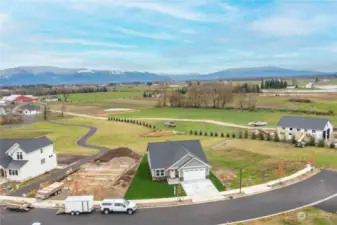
[23,159]
[177,161]
[319,128]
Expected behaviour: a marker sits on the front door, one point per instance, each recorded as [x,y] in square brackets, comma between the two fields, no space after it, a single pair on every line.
[324,134]
[172,173]
[328,134]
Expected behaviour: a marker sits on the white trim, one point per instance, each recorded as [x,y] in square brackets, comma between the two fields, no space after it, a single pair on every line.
[183,166]
[172,166]
[160,169]
[13,149]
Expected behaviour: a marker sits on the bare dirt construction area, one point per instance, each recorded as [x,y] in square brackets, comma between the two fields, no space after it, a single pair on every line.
[224,173]
[108,177]
[158,133]
[67,159]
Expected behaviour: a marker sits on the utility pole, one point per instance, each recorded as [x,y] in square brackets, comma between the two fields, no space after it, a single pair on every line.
[240,179]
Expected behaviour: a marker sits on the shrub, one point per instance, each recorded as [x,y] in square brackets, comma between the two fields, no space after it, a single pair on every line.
[293,139]
[150,126]
[240,135]
[253,135]
[233,135]
[215,134]
[205,133]
[331,112]
[246,134]
[321,143]
[200,133]
[332,145]
[195,132]
[154,127]
[127,120]
[222,134]
[268,137]
[144,124]
[277,138]
[312,141]
[191,132]
[211,134]
[261,136]
[227,135]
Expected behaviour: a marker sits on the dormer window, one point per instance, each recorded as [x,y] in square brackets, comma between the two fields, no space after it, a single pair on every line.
[41,150]
[19,155]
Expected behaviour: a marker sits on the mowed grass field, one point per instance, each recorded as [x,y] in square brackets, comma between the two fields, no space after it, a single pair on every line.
[101,95]
[64,137]
[230,116]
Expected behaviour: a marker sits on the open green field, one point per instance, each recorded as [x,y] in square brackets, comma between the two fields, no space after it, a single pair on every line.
[230,116]
[313,217]
[101,95]
[119,103]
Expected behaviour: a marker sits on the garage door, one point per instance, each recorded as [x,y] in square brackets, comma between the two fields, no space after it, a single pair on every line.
[194,174]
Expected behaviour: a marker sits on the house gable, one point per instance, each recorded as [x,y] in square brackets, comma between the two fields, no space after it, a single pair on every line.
[194,162]
[181,161]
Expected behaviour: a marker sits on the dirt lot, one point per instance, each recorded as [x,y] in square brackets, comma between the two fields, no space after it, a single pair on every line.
[118,152]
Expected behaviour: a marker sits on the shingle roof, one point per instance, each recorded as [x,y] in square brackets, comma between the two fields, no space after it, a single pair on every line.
[27,145]
[16,164]
[165,154]
[303,122]
[30,107]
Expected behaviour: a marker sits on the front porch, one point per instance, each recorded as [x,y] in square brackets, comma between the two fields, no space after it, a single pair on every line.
[173,176]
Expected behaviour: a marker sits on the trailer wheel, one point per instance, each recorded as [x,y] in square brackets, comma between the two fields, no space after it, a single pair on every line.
[130,211]
[77,213]
[106,211]
[72,213]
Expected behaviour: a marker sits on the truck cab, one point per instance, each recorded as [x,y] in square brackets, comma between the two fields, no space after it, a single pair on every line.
[117,205]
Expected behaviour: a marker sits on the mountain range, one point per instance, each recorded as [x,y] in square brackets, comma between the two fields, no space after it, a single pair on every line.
[56,75]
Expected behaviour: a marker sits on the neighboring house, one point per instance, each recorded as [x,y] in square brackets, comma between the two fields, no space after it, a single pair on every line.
[28,109]
[6,109]
[320,128]
[54,98]
[309,85]
[177,161]
[23,159]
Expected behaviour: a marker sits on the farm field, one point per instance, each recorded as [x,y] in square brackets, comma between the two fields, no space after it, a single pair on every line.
[101,95]
[230,116]
[313,217]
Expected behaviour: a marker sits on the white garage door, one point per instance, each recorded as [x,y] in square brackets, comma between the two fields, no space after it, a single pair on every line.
[194,174]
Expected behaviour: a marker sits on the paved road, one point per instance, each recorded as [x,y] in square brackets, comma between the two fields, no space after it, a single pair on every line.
[61,173]
[318,187]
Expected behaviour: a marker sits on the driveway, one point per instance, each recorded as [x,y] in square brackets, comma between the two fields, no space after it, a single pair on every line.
[201,190]
[308,192]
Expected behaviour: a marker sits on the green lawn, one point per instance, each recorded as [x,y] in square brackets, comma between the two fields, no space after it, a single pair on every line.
[216,182]
[231,116]
[119,103]
[101,95]
[142,186]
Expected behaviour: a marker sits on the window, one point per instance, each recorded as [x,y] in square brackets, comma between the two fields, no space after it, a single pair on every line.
[13,172]
[106,204]
[160,173]
[41,150]
[313,131]
[19,155]
[119,205]
[298,129]
[43,161]
[290,128]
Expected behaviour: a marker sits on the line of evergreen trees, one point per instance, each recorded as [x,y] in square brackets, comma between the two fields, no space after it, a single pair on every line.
[267,84]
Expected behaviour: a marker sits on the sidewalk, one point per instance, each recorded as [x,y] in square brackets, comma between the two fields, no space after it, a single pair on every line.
[165,202]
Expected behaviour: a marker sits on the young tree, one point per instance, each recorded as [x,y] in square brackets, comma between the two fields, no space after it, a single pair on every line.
[253,135]
[205,133]
[46,112]
[215,134]
[321,143]
[312,141]
[261,136]
[222,134]
[191,132]
[195,132]
[144,94]
[276,138]
[293,139]
[227,135]
[66,95]
[200,133]
[63,109]
[233,135]
[332,145]
[211,134]
[240,135]
[268,136]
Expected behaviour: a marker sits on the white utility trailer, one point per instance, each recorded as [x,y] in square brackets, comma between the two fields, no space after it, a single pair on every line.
[75,205]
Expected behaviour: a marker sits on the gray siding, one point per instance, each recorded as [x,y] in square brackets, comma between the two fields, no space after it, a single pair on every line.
[183,161]
[194,163]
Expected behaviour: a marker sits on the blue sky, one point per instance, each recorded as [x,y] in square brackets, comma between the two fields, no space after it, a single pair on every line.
[169,36]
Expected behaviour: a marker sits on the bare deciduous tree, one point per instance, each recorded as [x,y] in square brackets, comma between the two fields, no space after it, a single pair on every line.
[240,99]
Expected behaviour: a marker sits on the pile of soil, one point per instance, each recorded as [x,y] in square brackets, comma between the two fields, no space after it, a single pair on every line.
[158,133]
[116,153]
[66,159]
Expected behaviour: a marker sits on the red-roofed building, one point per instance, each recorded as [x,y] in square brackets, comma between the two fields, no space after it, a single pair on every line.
[20,98]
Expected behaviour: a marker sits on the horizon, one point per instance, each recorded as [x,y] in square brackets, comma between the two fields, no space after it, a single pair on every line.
[169,37]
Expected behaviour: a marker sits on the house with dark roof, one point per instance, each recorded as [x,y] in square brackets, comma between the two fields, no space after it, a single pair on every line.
[28,109]
[177,161]
[24,159]
[319,128]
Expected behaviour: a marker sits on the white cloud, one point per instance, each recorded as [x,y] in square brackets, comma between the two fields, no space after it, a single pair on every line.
[290,26]
[159,36]
[4,21]
[88,43]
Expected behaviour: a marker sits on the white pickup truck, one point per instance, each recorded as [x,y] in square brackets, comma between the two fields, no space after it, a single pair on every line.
[117,205]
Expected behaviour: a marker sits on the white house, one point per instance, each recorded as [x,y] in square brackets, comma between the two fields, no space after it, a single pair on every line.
[24,159]
[28,109]
[309,85]
[177,161]
[320,128]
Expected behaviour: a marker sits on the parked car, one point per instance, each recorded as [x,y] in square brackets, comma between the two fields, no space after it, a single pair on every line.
[117,205]
[75,205]
[170,124]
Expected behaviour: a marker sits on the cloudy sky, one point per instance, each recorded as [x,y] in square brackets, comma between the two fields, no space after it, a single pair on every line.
[169,36]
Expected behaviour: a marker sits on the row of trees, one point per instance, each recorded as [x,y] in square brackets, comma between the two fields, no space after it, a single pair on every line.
[132,122]
[273,84]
